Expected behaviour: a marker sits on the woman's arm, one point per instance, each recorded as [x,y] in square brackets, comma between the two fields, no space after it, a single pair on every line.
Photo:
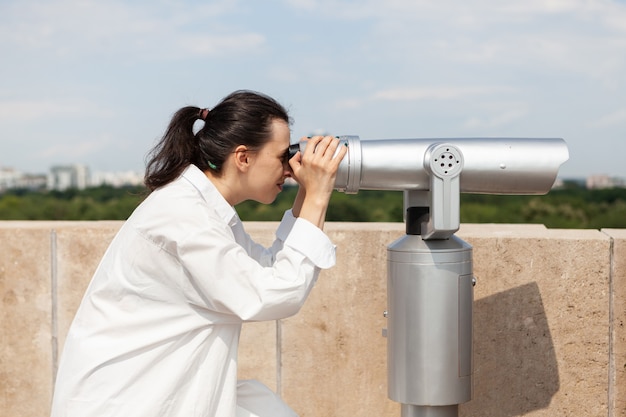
[297,203]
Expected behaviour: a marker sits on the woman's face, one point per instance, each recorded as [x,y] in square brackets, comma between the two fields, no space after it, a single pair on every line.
[269,166]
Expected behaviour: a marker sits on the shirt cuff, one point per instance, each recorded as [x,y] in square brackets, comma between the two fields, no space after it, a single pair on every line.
[312,242]
[285,226]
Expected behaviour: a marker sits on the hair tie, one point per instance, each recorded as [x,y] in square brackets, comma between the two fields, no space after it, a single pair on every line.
[203,113]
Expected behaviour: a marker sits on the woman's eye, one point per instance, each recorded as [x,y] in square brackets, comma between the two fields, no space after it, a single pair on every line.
[285,157]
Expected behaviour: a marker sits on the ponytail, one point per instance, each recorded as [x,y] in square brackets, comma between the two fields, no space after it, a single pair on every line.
[172,154]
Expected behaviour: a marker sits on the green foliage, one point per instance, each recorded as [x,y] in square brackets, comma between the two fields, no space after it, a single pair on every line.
[98,203]
[366,206]
[571,207]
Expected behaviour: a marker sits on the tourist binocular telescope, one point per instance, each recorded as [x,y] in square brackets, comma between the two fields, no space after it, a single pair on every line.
[429,270]
[484,165]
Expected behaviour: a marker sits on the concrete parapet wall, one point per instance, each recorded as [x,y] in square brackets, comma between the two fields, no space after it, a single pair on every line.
[549,320]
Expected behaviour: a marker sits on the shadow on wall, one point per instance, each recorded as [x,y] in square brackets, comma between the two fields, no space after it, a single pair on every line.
[515,366]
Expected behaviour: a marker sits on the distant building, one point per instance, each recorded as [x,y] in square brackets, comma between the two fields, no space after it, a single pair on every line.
[65,177]
[558,183]
[604,181]
[32,181]
[8,178]
[14,179]
[117,179]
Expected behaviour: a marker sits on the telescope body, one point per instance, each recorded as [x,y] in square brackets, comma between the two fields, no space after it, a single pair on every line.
[490,166]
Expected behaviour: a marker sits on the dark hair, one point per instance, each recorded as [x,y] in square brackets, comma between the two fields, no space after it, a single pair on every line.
[241,118]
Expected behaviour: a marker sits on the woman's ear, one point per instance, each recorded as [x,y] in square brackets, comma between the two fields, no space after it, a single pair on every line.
[241,158]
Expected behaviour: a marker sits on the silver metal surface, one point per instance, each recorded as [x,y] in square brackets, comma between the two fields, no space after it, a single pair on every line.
[408,410]
[490,166]
[429,321]
[444,164]
[430,282]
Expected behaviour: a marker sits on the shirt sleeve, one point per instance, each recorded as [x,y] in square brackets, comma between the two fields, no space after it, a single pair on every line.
[306,238]
[265,256]
[226,279]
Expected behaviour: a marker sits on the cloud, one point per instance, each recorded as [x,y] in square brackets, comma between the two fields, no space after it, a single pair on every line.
[66,149]
[424,93]
[284,74]
[495,120]
[457,12]
[204,45]
[579,37]
[616,118]
[168,30]
[436,93]
[20,111]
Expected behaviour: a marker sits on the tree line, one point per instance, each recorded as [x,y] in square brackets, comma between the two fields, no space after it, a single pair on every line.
[572,206]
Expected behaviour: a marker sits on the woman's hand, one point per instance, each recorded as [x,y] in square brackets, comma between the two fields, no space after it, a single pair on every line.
[315,170]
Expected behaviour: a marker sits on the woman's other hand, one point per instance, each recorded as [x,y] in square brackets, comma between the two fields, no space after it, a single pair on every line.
[315,171]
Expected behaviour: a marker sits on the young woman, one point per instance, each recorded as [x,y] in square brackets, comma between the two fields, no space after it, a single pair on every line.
[158,328]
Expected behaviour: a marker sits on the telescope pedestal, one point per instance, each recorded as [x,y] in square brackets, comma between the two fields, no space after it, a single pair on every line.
[429,325]
[408,410]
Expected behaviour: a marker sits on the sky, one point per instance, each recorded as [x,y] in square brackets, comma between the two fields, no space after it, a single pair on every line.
[96,83]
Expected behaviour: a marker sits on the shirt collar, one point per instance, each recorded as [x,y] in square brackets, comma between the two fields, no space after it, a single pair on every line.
[210,194]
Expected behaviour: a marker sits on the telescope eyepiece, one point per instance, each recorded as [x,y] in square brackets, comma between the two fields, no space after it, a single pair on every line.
[293,149]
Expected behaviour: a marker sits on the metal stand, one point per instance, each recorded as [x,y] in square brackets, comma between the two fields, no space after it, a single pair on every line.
[425,411]
[430,296]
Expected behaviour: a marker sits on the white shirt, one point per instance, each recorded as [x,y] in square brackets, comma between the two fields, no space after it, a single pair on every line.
[158,329]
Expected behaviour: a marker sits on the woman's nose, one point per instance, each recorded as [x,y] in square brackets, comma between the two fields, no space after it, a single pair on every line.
[287,170]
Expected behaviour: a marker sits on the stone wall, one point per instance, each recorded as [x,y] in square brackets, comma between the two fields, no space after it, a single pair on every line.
[549,320]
